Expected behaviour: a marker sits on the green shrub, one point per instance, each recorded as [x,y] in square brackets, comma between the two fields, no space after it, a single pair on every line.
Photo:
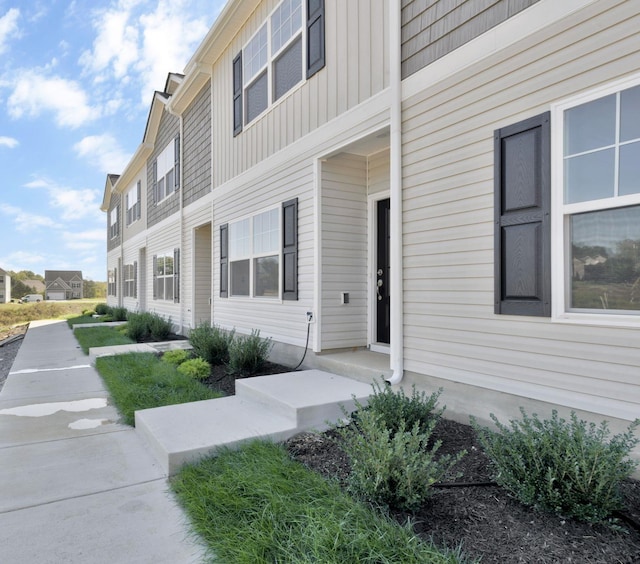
[394,407]
[175,357]
[118,314]
[394,468]
[196,368]
[567,467]
[102,309]
[160,328]
[247,355]
[139,326]
[88,312]
[211,343]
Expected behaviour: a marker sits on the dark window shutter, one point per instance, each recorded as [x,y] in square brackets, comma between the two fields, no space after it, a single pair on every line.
[315,36]
[154,181]
[176,176]
[237,94]
[155,277]
[522,180]
[290,250]
[135,279]
[176,276]
[115,281]
[139,202]
[224,260]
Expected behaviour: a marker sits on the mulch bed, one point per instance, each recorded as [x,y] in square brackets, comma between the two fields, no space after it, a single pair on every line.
[223,382]
[488,522]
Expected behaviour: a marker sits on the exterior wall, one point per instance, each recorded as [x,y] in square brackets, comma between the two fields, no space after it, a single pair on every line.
[113,260]
[431,29]
[113,243]
[197,147]
[378,172]
[344,251]
[5,287]
[451,332]
[168,130]
[357,68]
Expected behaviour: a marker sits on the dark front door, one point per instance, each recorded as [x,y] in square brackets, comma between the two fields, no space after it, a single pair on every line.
[383,309]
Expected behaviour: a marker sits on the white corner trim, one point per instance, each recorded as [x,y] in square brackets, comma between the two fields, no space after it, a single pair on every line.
[505,34]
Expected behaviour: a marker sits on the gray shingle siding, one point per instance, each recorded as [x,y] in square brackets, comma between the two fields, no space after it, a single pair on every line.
[197,147]
[168,130]
[433,28]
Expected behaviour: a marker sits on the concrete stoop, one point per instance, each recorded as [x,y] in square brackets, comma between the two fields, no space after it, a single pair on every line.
[272,407]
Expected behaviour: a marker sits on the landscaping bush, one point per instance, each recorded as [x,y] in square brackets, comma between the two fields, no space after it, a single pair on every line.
[102,309]
[570,468]
[160,328]
[88,312]
[139,326]
[118,314]
[196,368]
[247,355]
[175,357]
[394,407]
[211,343]
[393,464]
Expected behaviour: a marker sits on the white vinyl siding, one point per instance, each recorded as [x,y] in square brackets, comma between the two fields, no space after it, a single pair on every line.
[451,331]
[344,251]
[356,69]
[162,241]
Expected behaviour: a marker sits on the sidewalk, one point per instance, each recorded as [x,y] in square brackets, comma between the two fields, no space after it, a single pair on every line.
[76,486]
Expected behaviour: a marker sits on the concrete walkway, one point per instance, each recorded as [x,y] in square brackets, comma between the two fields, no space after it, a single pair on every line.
[76,486]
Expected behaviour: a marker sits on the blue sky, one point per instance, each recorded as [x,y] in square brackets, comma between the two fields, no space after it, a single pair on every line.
[76,81]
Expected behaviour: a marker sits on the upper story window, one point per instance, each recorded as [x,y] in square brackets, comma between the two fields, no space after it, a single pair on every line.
[272,62]
[166,171]
[597,211]
[133,198]
[113,222]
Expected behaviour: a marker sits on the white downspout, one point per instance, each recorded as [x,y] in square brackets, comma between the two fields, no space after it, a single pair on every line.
[397,299]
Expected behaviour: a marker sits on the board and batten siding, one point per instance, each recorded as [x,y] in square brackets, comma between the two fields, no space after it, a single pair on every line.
[451,331]
[431,29]
[357,68]
[196,147]
[344,251]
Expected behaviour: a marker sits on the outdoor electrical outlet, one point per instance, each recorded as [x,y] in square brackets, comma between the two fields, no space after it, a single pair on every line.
[309,317]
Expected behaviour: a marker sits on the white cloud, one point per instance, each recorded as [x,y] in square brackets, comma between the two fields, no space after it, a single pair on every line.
[34,93]
[85,241]
[21,260]
[26,221]
[104,152]
[74,205]
[8,27]
[9,142]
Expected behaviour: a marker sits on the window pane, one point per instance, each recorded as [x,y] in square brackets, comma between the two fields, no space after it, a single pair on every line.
[589,177]
[161,189]
[160,266]
[240,278]
[266,277]
[239,239]
[285,23]
[287,69]
[168,265]
[256,96]
[629,180]
[630,114]
[266,232]
[170,183]
[605,259]
[255,54]
[590,126]
[168,288]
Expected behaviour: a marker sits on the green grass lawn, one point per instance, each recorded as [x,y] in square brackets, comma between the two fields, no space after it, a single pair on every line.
[89,337]
[256,505]
[141,380]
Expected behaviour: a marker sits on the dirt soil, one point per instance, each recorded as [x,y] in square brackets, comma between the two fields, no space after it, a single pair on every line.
[489,523]
[225,383]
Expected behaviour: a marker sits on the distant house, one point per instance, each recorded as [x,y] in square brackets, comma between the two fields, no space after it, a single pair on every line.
[37,285]
[5,287]
[63,284]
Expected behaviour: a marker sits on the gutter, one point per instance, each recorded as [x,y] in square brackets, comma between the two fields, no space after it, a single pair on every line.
[396,286]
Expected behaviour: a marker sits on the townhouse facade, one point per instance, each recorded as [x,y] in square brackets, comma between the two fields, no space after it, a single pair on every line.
[453,184]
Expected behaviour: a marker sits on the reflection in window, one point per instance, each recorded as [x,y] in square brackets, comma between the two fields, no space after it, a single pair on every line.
[605,260]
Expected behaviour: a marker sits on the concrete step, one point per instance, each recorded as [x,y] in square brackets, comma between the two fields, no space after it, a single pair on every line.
[272,407]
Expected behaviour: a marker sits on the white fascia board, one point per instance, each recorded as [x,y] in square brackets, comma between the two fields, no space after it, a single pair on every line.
[512,31]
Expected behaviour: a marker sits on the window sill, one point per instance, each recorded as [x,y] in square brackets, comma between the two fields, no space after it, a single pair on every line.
[630,321]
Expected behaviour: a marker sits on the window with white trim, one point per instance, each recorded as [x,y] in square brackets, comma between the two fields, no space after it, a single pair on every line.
[166,171]
[113,222]
[130,280]
[133,203]
[274,61]
[254,255]
[163,276]
[111,283]
[597,211]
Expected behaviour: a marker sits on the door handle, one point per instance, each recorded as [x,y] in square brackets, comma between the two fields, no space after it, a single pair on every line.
[378,286]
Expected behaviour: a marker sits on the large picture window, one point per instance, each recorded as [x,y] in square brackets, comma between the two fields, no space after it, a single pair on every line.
[598,208]
[254,255]
[272,62]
